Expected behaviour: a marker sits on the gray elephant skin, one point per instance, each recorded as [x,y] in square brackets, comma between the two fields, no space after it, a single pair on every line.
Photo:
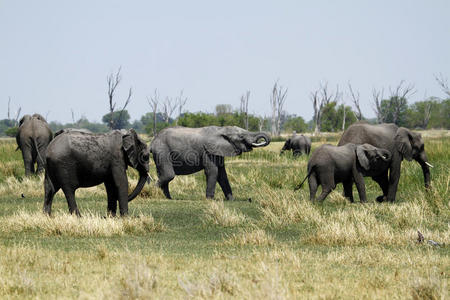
[32,139]
[298,144]
[182,151]
[400,141]
[78,159]
[330,165]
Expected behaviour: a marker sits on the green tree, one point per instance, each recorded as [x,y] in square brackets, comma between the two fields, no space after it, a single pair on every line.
[120,119]
[294,123]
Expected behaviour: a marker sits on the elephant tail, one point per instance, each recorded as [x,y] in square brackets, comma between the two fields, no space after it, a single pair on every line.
[41,160]
[307,176]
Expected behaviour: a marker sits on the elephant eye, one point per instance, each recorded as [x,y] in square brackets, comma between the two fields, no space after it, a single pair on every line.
[145,157]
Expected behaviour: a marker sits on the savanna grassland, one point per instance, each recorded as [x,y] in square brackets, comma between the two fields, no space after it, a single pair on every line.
[270,243]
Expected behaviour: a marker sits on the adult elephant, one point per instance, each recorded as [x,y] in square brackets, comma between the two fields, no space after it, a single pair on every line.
[400,141]
[182,151]
[298,144]
[79,159]
[32,139]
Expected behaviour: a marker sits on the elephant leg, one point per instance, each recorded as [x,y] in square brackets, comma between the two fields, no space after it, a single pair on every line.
[327,182]
[312,182]
[394,177]
[348,193]
[360,185]
[50,189]
[166,174]
[211,173]
[120,182]
[383,182]
[222,178]
[28,162]
[69,192]
[113,197]
[40,160]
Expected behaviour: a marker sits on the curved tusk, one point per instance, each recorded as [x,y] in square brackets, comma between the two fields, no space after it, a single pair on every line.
[258,144]
[428,164]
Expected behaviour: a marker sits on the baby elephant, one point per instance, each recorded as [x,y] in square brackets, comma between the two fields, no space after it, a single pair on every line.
[330,165]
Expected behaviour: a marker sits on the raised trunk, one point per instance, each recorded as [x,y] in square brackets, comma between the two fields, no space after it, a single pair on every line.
[259,136]
[142,179]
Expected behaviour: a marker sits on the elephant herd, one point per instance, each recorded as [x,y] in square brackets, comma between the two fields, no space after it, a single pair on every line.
[74,158]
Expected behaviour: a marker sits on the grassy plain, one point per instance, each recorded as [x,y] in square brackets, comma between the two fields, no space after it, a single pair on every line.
[270,243]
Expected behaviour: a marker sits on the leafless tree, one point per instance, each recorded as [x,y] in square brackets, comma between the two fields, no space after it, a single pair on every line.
[427,114]
[113,81]
[181,102]
[261,122]
[344,115]
[377,97]
[443,83]
[399,98]
[321,98]
[153,101]
[244,108]
[16,119]
[277,100]
[168,107]
[9,105]
[355,100]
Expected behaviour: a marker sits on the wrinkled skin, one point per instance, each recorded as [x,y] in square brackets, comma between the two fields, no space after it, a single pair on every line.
[330,165]
[79,159]
[182,151]
[32,139]
[400,141]
[298,144]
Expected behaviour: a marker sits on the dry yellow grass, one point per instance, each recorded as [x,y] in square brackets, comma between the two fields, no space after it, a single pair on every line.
[252,236]
[216,213]
[63,224]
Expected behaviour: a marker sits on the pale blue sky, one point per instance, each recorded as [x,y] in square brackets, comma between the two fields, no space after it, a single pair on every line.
[55,55]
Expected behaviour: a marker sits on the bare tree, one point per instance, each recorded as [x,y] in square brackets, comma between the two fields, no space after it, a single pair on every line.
[443,83]
[9,105]
[427,114]
[277,100]
[113,81]
[168,107]
[244,108]
[399,98]
[261,122]
[377,97]
[181,102]
[153,102]
[321,98]
[344,115]
[355,100]
[16,119]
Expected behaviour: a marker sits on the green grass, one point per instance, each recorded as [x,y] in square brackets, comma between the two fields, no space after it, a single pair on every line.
[271,242]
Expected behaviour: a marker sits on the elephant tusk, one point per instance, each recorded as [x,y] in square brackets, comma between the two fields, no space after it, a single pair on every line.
[428,164]
[258,144]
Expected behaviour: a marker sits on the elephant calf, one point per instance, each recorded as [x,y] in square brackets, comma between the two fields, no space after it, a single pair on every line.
[298,144]
[79,159]
[330,165]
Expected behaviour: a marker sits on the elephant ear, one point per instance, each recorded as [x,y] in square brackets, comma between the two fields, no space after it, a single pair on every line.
[220,145]
[129,146]
[24,119]
[287,144]
[362,157]
[403,142]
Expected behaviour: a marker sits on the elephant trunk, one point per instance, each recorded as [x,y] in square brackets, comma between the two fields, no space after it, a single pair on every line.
[142,179]
[423,161]
[259,136]
[385,155]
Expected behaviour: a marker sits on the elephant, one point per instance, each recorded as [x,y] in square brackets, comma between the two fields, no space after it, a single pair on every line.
[32,139]
[330,165]
[78,159]
[182,151]
[298,144]
[65,130]
[400,141]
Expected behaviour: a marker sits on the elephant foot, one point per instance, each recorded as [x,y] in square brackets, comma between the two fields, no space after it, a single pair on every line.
[229,197]
[381,198]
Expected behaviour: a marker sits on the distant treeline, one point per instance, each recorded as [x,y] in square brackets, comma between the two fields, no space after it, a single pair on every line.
[430,113]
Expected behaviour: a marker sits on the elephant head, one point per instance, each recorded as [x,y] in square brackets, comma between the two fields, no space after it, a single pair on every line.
[232,141]
[39,117]
[137,156]
[411,146]
[24,119]
[286,146]
[371,158]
